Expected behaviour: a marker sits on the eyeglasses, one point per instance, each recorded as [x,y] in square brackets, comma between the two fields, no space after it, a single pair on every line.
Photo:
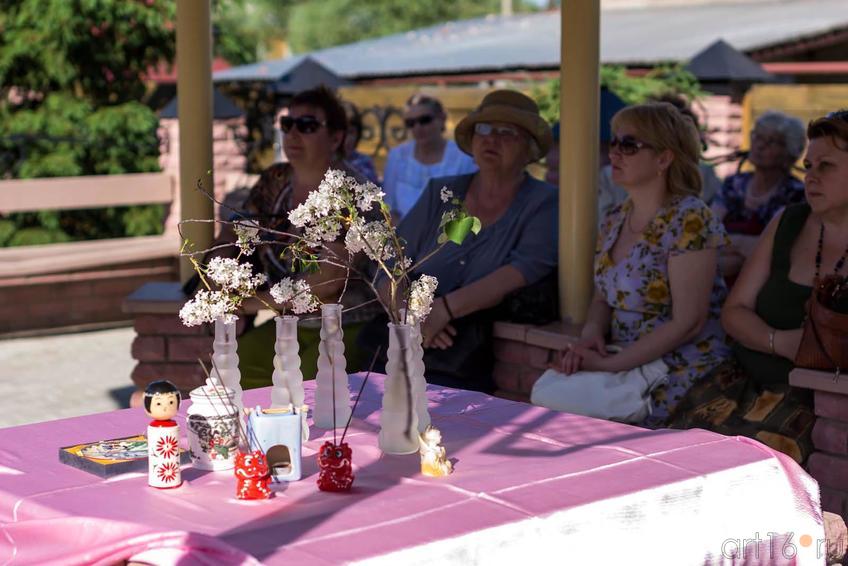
[503,132]
[422,120]
[304,124]
[628,145]
[767,140]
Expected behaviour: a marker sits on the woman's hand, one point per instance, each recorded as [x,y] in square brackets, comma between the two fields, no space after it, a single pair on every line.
[588,350]
[433,326]
[444,339]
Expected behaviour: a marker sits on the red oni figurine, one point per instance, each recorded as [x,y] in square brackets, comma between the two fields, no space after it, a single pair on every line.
[252,476]
[336,472]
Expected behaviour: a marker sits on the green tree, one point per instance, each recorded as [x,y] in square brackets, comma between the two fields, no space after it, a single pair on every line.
[665,79]
[244,28]
[316,24]
[72,73]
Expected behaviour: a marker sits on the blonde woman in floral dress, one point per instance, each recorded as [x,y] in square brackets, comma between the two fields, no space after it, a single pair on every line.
[658,293]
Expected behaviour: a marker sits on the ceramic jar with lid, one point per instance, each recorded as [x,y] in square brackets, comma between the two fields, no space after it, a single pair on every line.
[213,426]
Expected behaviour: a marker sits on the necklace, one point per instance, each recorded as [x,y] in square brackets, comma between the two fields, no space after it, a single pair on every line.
[839,264]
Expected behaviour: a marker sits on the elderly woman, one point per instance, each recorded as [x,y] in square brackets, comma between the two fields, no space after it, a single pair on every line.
[658,293]
[748,201]
[517,245]
[750,395]
[428,155]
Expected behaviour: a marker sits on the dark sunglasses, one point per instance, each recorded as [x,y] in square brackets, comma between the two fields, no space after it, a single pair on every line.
[422,120]
[627,145]
[304,124]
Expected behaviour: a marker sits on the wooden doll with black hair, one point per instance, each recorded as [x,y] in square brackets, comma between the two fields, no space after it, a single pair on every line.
[161,403]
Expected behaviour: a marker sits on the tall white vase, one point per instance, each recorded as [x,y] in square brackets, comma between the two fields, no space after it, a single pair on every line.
[287,378]
[419,382]
[331,384]
[226,366]
[398,418]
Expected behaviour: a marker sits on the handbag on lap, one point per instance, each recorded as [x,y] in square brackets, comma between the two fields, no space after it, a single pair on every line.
[623,396]
[824,342]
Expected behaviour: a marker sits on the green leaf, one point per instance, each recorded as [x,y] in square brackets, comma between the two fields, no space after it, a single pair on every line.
[476,226]
[457,230]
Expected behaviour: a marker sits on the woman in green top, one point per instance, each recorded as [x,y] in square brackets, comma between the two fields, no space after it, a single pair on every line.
[750,394]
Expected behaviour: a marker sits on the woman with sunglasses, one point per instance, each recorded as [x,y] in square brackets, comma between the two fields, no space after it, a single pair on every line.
[314,131]
[516,247]
[658,293]
[426,156]
[747,201]
[765,311]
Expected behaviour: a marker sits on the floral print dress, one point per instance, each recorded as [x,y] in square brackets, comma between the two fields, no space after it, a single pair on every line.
[639,292]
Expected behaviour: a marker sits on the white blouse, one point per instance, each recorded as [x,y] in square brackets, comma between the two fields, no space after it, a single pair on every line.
[405,177]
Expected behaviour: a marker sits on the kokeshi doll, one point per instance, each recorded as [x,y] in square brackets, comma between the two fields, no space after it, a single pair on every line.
[161,403]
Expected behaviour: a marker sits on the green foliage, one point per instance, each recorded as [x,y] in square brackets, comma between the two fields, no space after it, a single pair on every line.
[243,27]
[96,49]
[70,106]
[354,20]
[666,79]
[7,229]
[37,237]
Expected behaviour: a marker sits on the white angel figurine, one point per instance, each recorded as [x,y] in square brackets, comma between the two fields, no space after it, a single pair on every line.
[434,461]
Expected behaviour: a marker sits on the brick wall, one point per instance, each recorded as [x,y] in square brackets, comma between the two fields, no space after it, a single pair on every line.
[229,165]
[721,118]
[82,297]
[829,463]
[522,354]
[164,348]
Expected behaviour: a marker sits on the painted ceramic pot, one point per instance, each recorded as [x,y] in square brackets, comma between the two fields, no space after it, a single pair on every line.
[213,427]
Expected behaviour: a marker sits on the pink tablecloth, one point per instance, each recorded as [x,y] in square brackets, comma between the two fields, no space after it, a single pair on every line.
[529,483]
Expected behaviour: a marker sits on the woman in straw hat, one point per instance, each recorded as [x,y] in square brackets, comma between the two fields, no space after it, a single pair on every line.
[658,293]
[517,245]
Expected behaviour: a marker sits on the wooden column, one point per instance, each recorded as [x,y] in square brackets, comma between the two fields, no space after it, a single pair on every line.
[579,100]
[194,108]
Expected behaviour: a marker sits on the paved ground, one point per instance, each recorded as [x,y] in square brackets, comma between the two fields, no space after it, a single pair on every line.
[53,377]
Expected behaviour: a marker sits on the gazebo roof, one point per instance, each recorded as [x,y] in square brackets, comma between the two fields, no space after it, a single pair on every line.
[223,107]
[288,75]
[721,62]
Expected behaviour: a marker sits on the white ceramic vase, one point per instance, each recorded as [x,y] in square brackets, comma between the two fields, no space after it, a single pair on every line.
[332,394]
[419,382]
[398,418]
[226,366]
[287,378]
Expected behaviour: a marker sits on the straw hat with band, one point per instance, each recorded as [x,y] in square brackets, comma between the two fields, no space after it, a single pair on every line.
[510,107]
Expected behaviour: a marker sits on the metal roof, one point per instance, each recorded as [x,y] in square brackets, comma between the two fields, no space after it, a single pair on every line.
[532,41]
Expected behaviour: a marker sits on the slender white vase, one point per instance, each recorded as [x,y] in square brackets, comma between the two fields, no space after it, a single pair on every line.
[419,382]
[287,378]
[332,394]
[398,418]
[226,366]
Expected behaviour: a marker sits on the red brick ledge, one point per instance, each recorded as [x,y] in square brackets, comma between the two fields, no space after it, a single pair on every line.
[523,353]
[828,464]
